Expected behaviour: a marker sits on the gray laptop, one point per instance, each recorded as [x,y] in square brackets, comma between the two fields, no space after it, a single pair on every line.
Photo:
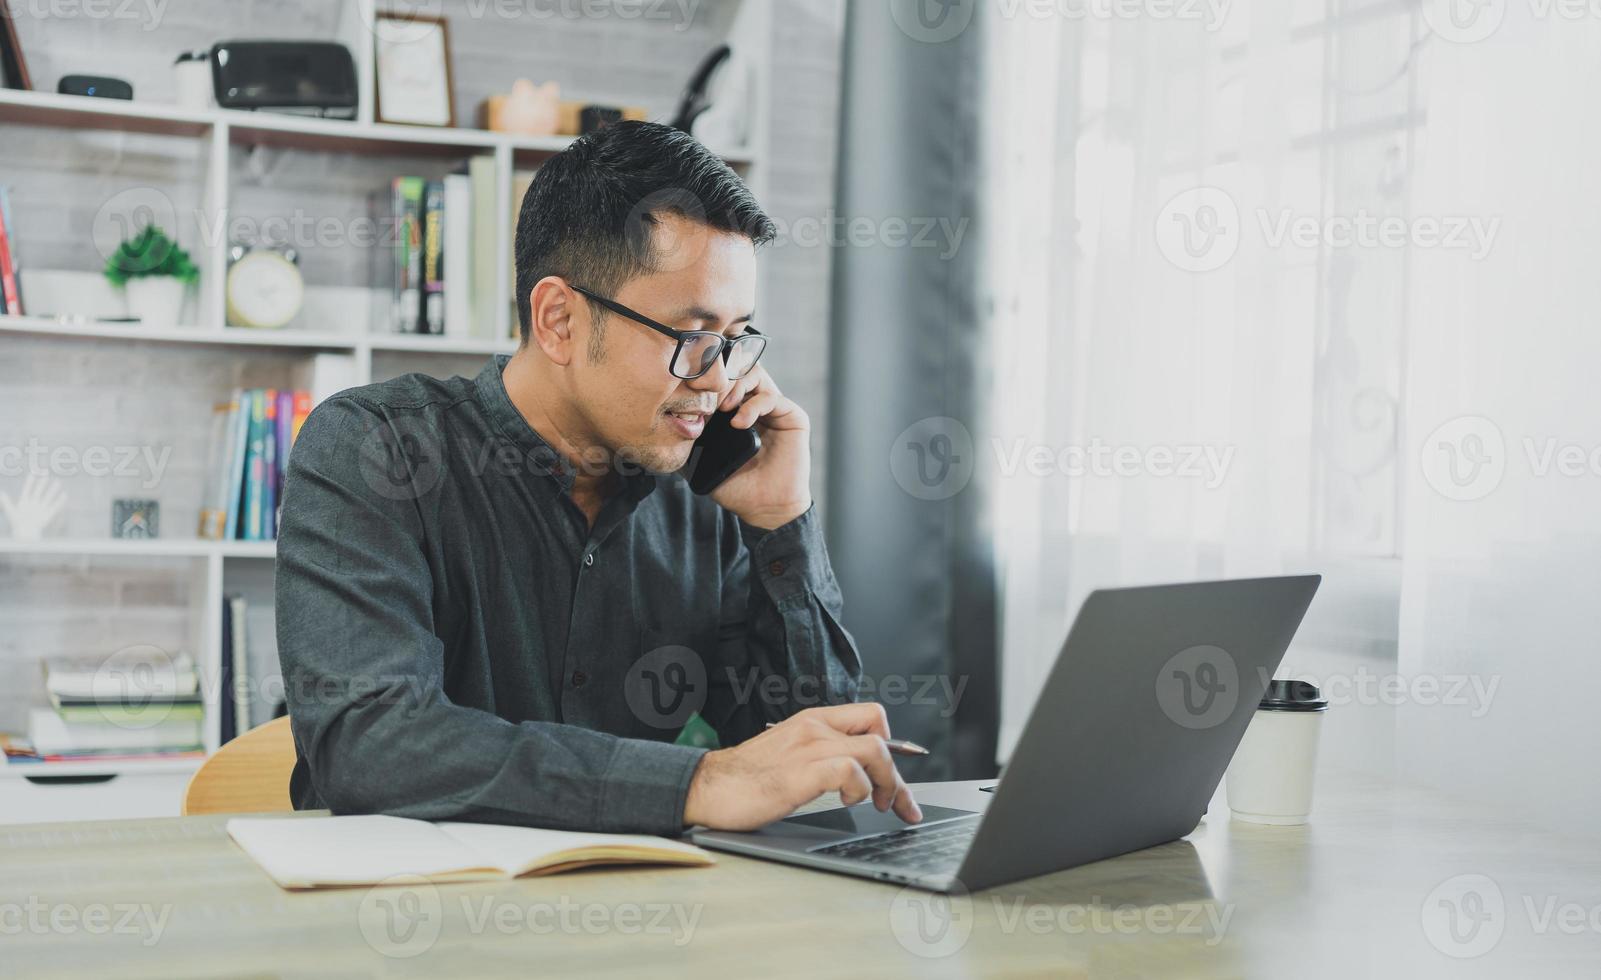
[1124,748]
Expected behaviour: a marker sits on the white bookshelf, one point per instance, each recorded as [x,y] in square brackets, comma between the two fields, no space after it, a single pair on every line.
[130,767]
[222,141]
[271,129]
[307,340]
[174,547]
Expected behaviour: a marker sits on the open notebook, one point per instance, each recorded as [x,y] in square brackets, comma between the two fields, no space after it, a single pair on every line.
[318,852]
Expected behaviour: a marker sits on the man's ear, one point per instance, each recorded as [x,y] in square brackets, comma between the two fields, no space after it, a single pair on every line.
[552,306]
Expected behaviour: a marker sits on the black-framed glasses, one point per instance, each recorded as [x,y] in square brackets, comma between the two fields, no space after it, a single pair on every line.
[697,350]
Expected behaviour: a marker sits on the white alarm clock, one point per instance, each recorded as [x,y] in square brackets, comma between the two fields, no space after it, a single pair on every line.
[264,286]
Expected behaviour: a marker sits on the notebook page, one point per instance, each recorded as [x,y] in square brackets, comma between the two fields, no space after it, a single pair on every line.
[516,849]
[359,850]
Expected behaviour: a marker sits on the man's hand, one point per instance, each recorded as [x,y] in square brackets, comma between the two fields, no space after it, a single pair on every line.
[775,487]
[840,747]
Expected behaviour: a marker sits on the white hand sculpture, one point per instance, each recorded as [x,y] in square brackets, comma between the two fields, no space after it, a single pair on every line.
[39,503]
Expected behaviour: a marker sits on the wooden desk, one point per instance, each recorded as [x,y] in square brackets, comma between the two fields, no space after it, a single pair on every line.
[1356,893]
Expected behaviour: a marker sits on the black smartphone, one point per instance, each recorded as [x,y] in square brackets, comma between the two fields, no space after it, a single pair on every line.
[720,450]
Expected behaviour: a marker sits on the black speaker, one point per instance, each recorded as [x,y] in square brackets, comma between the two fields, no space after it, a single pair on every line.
[99,86]
[286,76]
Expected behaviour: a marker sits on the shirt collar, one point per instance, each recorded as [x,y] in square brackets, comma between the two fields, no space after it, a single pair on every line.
[542,457]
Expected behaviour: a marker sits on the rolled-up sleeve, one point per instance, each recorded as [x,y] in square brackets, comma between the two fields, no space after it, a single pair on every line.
[364,669]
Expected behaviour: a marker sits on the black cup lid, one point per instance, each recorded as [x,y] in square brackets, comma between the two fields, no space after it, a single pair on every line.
[1287,695]
[203,54]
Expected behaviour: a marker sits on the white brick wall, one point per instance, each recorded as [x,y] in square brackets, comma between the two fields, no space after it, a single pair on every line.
[56,604]
[80,394]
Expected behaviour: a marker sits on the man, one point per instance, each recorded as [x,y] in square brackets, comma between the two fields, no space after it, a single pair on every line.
[485,587]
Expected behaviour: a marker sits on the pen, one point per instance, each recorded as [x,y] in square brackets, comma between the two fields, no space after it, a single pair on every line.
[899,746]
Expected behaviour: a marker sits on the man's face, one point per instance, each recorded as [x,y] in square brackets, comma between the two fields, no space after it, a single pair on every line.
[704,280]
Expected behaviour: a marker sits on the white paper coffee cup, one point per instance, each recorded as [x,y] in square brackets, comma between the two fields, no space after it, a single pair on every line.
[192,79]
[1270,779]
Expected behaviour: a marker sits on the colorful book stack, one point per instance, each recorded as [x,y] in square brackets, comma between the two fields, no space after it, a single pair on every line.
[10,291]
[250,440]
[140,704]
[442,261]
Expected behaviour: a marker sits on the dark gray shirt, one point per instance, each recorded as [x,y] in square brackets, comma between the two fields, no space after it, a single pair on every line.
[458,643]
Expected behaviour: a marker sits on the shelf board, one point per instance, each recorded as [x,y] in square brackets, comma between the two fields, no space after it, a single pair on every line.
[440,345]
[235,336]
[278,129]
[149,547]
[91,767]
[347,136]
[246,337]
[242,549]
[87,112]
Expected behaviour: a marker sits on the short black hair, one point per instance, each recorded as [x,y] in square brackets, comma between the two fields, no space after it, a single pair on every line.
[589,211]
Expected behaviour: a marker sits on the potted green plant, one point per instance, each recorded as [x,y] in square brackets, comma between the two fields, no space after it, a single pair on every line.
[155,275]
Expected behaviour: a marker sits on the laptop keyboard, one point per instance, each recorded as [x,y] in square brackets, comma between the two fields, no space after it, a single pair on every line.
[935,849]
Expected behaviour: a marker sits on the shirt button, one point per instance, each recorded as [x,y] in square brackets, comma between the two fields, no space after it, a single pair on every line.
[589,559]
[776,568]
[579,678]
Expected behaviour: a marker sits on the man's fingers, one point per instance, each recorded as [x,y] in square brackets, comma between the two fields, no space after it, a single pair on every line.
[873,756]
[859,718]
[906,807]
[757,380]
[737,393]
[844,775]
[855,733]
[757,405]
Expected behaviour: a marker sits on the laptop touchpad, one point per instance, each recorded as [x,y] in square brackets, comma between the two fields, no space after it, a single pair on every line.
[863,818]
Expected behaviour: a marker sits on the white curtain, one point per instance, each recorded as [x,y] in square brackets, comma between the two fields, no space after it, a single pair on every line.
[1503,552]
[1286,247]
[1220,400]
